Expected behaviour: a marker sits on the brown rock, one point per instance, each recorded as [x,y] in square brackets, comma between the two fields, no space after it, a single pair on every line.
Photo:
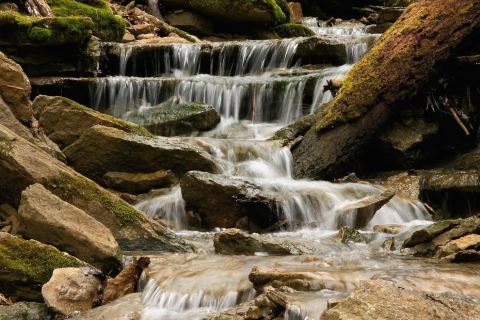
[388,228]
[378,299]
[47,218]
[15,88]
[139,29]
[71,289]
[190,22]
[126,281]
[296,12]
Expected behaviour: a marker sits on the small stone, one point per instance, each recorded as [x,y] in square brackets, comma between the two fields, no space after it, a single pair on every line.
[389,244]
[347,234]
[71,289]
[128,37]
[141,29]
[146,36]
[388,228]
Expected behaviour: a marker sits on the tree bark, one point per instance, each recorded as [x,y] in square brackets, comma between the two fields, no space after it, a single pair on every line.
[394,70]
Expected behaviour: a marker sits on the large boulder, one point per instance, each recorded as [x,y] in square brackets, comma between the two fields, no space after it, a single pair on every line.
[72,289]
[15,88]
[237,242]
[26,265]
[25,310]
[377,87]
[175,119]
[226,202]
[45,217]
[102,149]
[271,12]
[64,121]
[379,299]
[190,22]
[23,164]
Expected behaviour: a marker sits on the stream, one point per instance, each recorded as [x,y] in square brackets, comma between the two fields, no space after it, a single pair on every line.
[259,87]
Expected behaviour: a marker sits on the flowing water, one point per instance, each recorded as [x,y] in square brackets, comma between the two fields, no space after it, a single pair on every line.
[258,87]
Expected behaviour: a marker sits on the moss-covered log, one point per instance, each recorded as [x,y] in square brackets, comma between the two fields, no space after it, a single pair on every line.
[393,71]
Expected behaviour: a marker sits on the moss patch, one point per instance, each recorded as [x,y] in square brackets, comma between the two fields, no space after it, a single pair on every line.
[16,28]
[87,190]
[292,30]
[107,26]
[31,259]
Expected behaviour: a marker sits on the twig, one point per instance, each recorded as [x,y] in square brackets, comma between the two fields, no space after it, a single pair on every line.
[460,123]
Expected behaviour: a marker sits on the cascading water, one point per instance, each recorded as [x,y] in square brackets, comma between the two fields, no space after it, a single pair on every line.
[257,87]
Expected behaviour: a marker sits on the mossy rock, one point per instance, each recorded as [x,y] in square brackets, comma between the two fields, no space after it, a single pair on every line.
[292,30]
[272,12]
[25,265]
[25,311]
[106,25]
[18,29]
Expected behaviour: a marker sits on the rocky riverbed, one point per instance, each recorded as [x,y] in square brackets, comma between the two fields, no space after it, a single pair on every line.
[239,160]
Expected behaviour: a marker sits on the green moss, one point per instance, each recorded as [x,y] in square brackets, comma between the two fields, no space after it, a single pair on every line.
[107,26]
[278,8]
[405,54]
[292,30]
[31,259]
[17,28]
[77,186]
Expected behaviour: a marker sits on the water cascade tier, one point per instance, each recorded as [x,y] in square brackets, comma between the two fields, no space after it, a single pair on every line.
[257,87]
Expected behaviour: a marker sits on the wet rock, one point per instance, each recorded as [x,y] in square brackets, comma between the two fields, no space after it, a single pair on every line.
[222,201]
[378,299]
[128,37]
[257,309]
[129,307]
[445,238]
[102,149]
[293,30]
[171,118]
[126,281]
[190,22]
[236,242]
[23,164]
[471,255]
[47,218]
[15,88]
[64,120]
[71,289]
[389,244]
[136,183]
[388,228]
[25,310]
[404,185]
[27,265]
[364,209]
[346,234]
[460,244]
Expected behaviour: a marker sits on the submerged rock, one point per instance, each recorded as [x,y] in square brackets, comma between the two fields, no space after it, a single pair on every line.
[102,149]
[23,164]
[25,310]
[72,289]
[346,234]
[388,228]
[45,217]
[129,307]
[226,202]
[378,299]
[26,265]
[136,183]
[236,242]
[175,118]
[64,121]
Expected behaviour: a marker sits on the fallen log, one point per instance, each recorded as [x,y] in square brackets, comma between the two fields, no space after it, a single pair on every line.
[393,71]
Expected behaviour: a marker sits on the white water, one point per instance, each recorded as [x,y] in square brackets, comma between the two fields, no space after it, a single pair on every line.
[244,86]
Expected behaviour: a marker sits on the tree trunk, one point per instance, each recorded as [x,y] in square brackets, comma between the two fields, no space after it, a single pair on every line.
[394,70]
[39,8]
